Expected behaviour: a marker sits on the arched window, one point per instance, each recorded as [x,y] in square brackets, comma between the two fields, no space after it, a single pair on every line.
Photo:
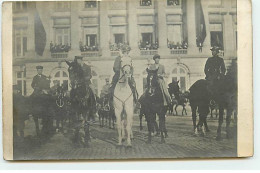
[61,77]
[180,74]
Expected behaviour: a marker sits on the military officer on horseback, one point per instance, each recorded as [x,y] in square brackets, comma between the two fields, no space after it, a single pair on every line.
[40,83]
[117,67]
[105,89]
[214,70]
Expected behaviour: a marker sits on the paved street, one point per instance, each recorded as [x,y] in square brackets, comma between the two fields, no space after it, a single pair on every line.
[181,143]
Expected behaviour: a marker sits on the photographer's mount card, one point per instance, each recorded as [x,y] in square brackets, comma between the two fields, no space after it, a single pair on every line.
[142,79]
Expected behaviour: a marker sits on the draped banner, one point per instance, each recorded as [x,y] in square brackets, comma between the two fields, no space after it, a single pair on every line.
[40,34]
[200,23]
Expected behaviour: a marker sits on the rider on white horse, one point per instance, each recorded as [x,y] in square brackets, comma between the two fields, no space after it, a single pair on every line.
[117,67]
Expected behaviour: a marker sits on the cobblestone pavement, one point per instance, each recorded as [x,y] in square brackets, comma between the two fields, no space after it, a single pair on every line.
[181,143]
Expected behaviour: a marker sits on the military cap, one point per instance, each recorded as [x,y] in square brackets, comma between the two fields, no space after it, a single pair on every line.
[156,56]
[78,57]
[215,48]
[39,67]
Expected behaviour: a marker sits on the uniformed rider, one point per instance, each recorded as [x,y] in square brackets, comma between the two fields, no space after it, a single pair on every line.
[40,83]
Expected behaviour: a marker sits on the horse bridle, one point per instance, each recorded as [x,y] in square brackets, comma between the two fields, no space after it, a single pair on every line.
[123,71]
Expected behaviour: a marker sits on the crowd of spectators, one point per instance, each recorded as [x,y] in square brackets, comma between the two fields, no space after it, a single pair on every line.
[178,45]
[173,2]
[145,3]
[117,46]
[86,48]
[59,48]
[148,46]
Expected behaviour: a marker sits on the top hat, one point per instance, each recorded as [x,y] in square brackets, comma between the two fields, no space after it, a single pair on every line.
[39,67]
[156,56]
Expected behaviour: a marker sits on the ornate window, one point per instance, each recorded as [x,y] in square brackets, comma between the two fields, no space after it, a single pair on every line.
[61,77]
[180,74]
[91,4]
[216,35]
[175,36]
[173,2]
[20,42]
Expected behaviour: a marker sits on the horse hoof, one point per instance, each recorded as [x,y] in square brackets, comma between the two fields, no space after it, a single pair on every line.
[219,138]
[123,140]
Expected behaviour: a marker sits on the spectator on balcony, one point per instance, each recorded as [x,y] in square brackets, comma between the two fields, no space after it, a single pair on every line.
[184,45]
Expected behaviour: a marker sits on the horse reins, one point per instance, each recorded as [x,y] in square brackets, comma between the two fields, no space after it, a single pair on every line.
[123,102]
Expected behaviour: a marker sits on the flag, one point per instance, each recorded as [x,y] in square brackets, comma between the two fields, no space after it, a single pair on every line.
[40,34]
[200,21]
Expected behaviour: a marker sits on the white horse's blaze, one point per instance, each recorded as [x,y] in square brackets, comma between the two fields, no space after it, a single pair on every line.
[123,104]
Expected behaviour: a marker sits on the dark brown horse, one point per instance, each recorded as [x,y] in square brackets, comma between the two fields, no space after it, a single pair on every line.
[225,96]
[83,103]
[152,104]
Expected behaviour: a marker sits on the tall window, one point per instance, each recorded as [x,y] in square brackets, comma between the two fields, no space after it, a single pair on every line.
[62,78]
[62,36]
[216,35]
[180,74]
[21,5]
[175,34]
[20,42]
[215,3]
[21,82]
[145,2]
[90,4]
[62,5]
[91,40]
[119,38]
[147,38]
[173,2]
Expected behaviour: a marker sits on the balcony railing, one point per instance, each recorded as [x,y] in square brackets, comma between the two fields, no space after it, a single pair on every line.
[59,55]
[114,53]
[91,54]
[179,51]
[148,52]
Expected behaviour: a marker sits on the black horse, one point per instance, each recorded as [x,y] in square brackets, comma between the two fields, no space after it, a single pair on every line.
[152,104]
[83,104]
[225,96]
[178,98]
[106,112]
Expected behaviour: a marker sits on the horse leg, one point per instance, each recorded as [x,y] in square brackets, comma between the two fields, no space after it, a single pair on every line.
[176,109]
[194,110]
[228,119]
[36,121]
[220,122]
[161,127]
[149,126]
[119,125]
[140,118]
[129,116]
[206,125]
[87,134]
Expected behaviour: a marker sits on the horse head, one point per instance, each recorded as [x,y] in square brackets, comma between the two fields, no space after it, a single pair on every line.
[126,68]
[152,81]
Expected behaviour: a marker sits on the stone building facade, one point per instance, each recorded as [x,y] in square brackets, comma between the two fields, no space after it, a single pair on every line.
[48,33]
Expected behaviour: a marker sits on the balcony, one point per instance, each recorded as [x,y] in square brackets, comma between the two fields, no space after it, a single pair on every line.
[178,51]
[114,53]
[116,47]
[178,48]
[59,50]
[59,55]
[148,52]
[89,51]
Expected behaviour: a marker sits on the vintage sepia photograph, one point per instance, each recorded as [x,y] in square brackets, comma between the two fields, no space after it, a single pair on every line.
[139,79]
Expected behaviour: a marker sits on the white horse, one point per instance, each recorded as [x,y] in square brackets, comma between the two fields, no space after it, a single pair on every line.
[123,102]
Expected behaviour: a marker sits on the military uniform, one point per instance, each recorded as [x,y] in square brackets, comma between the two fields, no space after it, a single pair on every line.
[105,90]
[40,84]
[214,70]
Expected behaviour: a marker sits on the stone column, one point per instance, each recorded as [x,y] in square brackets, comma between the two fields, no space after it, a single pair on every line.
[133,28]
[191,26]
[162,28]
[104,29]
[228,31]
[74,30]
